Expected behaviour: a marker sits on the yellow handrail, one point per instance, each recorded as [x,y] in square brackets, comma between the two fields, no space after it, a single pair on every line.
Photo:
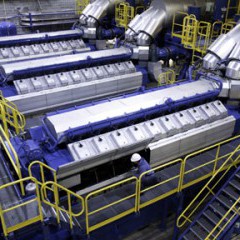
[216,159]
[233,7]
[178,186]
[216,30]
[177,27]
[232,209]
[12,156]
[207,187]
[124,13]
[190,30]
[226,27]
[117,216]
[167,78]
[10,116]
[55,188]
[39,217]
[179,177]
[162,196]
[42,166]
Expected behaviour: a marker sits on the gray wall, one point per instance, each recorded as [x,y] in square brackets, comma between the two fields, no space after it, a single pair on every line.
[12,6]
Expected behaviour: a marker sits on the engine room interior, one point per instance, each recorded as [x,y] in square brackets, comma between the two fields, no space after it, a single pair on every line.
[120,115]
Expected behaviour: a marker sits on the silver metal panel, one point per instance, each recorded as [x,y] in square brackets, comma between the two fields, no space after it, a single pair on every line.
[45,82]
[235,89]
[124,106]
[113,145]
[71,181]
[225,46]
[9,68]
[48,98]
[184,143]
[25,52]
[40,35]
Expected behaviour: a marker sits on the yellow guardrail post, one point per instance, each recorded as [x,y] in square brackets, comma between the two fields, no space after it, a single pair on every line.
[117,216]
[39,217]
[4,227]
[3,119]
[216,158]
[57,201]
[55,188]
[181,178]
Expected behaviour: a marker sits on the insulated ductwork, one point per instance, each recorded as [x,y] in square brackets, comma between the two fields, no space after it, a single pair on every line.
[97,10]
[222,47]
[146,26]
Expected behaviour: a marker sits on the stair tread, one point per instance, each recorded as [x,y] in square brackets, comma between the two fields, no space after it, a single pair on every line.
[198,232]
[235,184]
[204,223]
[213,217]
[237,175]
[231,193]
[218,208]
[224,200]
[189,236]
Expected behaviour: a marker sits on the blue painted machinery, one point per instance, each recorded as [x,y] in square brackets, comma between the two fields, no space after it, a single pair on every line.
[51,142]
[86,143]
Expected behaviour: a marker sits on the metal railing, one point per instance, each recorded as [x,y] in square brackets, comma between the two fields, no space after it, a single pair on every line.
[177,25]
[213,162]
[124,13]
[226,27]
[216,30]
[12,156]
[55,189]
[190,30]
[42,168]
[10,116]
[167,78]
[199,199]
[220,161]
[233,212]
[233,7]
[29,221]
[120,199]
[173,181]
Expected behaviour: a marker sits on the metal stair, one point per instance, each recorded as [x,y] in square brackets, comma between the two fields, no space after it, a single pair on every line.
[218,215]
